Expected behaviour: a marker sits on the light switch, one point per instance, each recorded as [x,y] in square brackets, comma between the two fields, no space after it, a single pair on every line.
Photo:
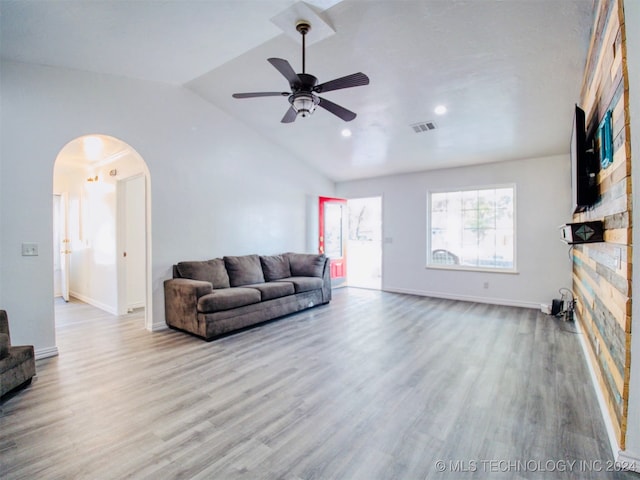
[29,249]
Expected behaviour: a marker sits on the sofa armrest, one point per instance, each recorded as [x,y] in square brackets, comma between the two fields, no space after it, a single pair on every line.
[326,280]
[181,302]
[4,345]
[4,322]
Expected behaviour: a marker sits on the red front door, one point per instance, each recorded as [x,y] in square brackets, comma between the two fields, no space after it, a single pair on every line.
[333,236]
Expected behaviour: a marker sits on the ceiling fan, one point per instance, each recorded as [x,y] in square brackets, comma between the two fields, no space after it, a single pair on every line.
[303,98]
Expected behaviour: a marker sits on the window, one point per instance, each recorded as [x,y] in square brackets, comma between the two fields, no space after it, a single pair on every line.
[472,229]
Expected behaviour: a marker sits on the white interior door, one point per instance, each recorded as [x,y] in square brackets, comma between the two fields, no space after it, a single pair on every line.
[132,243]
[135,242]
[61,245]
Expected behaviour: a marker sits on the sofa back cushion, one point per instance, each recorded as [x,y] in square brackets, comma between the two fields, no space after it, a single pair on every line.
[306,264]
[244,270]
[212,271]
[275,267]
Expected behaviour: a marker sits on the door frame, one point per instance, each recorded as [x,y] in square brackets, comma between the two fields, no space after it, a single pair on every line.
[135,162]
[353,248]
[335,263]
[62,245]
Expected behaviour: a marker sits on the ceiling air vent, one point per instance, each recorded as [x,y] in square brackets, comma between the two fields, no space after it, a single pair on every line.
[423,127]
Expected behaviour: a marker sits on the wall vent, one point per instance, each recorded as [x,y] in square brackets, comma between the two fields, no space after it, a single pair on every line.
[423,127]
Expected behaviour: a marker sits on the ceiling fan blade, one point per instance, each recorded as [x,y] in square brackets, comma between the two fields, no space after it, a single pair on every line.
[285,69]
[337,110]
[353,80]
[290,116]
[260,94]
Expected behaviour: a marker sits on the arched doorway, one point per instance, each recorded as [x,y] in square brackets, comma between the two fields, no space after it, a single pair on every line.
[102,225]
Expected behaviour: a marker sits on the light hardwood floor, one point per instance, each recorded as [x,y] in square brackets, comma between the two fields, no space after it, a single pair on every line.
[373,386]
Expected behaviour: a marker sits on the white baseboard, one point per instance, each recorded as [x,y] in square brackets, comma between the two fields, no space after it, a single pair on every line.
[47,352]
[629,461]
[133,306]
[95,303]
[466,298]
[156,327]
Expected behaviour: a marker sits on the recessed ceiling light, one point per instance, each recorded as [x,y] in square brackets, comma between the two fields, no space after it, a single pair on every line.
[440,110]
[346,132]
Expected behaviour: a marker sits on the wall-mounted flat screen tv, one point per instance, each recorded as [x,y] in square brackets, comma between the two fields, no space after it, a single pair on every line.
[584,165]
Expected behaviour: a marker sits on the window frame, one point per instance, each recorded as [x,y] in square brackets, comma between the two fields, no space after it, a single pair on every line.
[456,267]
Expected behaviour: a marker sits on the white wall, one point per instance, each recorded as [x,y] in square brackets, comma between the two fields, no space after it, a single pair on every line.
[632,23]
[543,190]
[216,187]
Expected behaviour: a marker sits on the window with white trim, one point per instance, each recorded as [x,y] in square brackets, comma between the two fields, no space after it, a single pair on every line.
[472,229]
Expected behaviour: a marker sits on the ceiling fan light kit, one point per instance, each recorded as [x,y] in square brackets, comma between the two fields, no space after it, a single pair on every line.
[303,98]
[304,104]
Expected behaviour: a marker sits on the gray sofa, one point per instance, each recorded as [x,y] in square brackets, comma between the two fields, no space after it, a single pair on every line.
[210,298]
[17,363]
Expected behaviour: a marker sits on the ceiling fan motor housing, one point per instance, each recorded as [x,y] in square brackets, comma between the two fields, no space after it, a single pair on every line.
[306,83]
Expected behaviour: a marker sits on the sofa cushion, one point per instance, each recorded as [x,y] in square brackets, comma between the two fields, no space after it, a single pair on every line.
[17,356]
[212,271]
[244,270]
[306,264]
[275,267]
[272,290]
[4,342]
[303,284]
[228,298]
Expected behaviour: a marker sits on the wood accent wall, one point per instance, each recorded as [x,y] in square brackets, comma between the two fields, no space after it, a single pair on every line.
[602,271]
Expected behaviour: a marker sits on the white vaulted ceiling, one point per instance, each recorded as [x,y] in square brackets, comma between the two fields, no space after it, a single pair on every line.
[509,72]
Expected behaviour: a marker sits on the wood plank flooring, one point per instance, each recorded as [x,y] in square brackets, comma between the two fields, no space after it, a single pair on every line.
[373,386]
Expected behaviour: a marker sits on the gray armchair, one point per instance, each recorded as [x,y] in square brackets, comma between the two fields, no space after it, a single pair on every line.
[17,364]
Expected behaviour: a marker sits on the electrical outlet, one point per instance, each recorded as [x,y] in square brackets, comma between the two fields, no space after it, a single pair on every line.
[29,249]
[485,284]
